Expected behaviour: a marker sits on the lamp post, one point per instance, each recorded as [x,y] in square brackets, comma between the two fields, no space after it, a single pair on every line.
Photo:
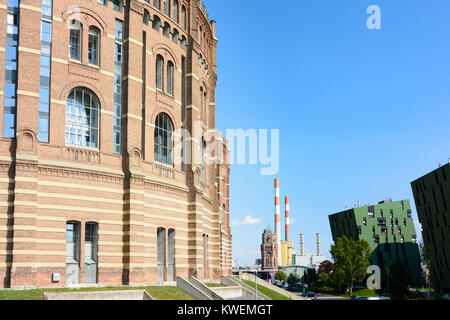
[256,285]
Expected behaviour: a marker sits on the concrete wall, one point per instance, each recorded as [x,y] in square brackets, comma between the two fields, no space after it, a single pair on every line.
[192,290]
[204,288]
[100,295]
[229,292]
[247,291]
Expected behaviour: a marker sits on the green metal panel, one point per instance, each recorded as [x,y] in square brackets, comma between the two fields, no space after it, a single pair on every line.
[388,228]
[432,198]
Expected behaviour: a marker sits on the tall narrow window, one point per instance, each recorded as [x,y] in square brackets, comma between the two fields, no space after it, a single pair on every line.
[118,79]
[201,102]
[163,139]
[156,4]
[75,40]
[183,17]
[175,36]
[159,72]
[183,42]
[170,78]
[223,215]
[82,119]
[175,11]
[146,17]
[166,7]
[202,160]
[117,5]
[44,71]
[156,23]
[166,30]
[10,89]
[93,49]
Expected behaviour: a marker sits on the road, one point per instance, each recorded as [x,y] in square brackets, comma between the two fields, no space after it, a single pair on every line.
[321,296]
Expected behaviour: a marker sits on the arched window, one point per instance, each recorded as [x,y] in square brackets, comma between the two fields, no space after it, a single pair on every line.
[175,36]
[202,160]
[156,24]
[175,11]
[183,42]
[166,7]
[76,30]
[200,35]
[166,30]
[156,4]
[82,111]
[170,78]
[94,46]
[159,72]
[163,139]
[183,17]
[146,17]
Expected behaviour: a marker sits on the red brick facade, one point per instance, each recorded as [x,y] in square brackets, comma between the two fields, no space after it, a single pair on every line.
[130,195]
[269,250]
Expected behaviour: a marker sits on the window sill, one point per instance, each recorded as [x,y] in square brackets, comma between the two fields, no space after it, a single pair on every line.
[165,165]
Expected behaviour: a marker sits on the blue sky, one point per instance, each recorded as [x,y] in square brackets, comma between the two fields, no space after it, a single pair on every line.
[361,112]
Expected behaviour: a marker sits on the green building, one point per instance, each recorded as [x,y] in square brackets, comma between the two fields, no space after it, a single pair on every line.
[432,198]
[389,229]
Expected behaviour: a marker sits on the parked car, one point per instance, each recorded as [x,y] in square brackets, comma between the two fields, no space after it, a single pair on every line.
[309,294]
[378,298]
[361,298]
[292,288]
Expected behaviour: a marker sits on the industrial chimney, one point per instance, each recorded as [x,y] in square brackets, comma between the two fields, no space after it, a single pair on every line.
[277,219]
[286,215]
[302,243]
[318,243]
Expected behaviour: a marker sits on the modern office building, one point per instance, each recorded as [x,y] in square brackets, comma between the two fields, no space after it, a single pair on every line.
[388,227]
[99,180]
[432,198]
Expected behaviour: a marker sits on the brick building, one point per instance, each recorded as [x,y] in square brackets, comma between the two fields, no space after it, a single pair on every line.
[99,183]
[269,250]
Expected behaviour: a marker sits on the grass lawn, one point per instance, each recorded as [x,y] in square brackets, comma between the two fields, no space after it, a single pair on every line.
[159,293]
[214,285]
[363,293]
[270,293]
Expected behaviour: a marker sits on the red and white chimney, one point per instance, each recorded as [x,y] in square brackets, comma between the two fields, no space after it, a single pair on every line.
[286,215]
[277,219]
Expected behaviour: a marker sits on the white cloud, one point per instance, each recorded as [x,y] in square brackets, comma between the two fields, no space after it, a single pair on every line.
[248,220]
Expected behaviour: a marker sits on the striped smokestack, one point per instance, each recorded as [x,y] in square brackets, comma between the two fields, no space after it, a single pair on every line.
[286,215]
[277,219]
[302,242]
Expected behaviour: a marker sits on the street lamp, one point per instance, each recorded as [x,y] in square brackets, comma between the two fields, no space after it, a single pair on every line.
[256,285]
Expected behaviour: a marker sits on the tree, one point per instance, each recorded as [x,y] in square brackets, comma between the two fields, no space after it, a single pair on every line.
[426,261]
[351,259]
[281,275]
[398,280]
[325,267]
[293,279]
[309,277]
